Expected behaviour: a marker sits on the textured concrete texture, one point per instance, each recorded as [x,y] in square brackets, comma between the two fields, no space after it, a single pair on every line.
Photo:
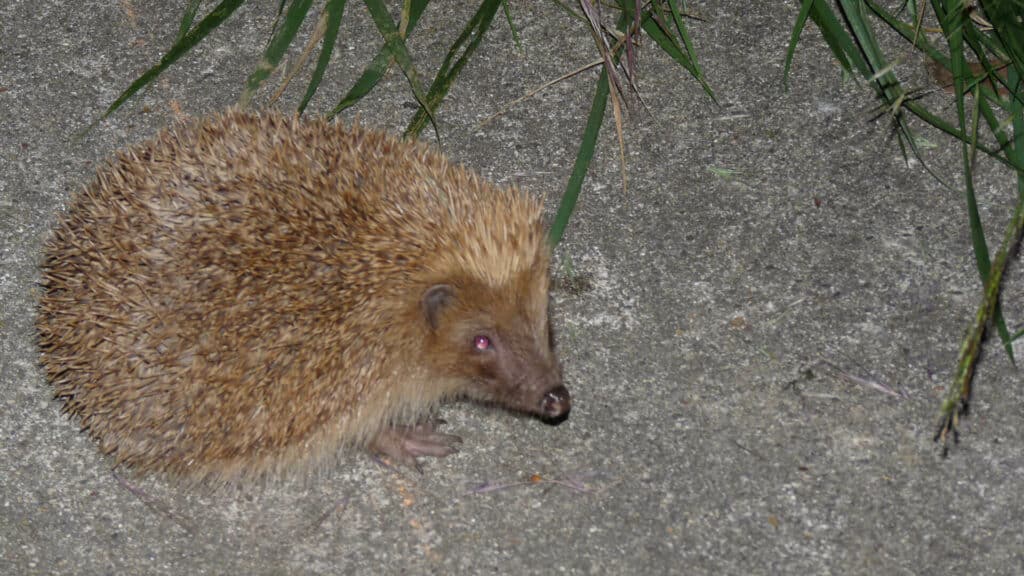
[719,322]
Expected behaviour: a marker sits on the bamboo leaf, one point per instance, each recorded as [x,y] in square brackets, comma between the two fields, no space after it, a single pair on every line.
[375,70]
[683,32]
[511,24]
[672,48]
[395,45]
[583,157]
[476,28]
[838,40]
[334,9]
[187,18]
[794,36]
[278,45]
[186,43]
[1006,18]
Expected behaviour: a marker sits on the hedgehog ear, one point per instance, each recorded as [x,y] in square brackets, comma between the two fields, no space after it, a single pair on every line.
[435,299]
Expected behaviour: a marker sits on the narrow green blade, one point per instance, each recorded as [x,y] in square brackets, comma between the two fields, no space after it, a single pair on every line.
[476,29]
[272,56]
[187,18]
[395,45]
[201,30]
[334,10]
[375,70]
[583,158]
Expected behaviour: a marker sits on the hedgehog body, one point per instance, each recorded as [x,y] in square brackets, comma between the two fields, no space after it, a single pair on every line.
[249,292]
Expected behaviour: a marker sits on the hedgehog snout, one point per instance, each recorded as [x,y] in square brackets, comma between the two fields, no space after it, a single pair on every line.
[555,405]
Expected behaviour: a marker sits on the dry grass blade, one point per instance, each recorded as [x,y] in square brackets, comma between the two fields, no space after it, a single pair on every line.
[576,482]
[607,54]
[276,48]
[314,39]
[858,381]
[537,90]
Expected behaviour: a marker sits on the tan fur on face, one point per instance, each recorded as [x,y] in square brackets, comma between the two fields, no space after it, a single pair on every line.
[243,293]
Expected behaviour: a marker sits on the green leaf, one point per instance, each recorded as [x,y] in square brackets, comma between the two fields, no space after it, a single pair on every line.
[279,43]
[683,32]
[395,45]
[669,45]
[583,158]
[201,30]
[511,24]
[838,40]
[334,9]
[794,36]
[187,18]
[1007,18]
[956,26]
[375,70]
[885,81]
[476,28]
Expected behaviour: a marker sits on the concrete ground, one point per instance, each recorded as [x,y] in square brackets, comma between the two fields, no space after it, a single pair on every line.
[719,322]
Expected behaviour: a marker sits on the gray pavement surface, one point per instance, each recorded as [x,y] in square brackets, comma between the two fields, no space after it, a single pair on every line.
[718,322]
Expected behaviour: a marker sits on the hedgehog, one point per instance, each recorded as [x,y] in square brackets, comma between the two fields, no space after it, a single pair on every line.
[251,292]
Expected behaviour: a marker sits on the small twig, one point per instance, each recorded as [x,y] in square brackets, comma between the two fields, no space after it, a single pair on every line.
[317,36]
[857,380]
[489,487]
[750,451]
[576,482]
[618,93]
[820,396]
[543,86]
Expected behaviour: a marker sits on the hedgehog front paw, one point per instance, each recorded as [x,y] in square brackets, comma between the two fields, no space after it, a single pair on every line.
[402,444]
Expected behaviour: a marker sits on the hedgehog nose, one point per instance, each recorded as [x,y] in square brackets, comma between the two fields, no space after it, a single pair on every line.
[556,403]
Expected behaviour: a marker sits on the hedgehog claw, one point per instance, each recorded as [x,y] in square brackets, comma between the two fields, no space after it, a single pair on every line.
[402,444]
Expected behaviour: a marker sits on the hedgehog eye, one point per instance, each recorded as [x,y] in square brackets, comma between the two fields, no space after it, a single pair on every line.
[482,343]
